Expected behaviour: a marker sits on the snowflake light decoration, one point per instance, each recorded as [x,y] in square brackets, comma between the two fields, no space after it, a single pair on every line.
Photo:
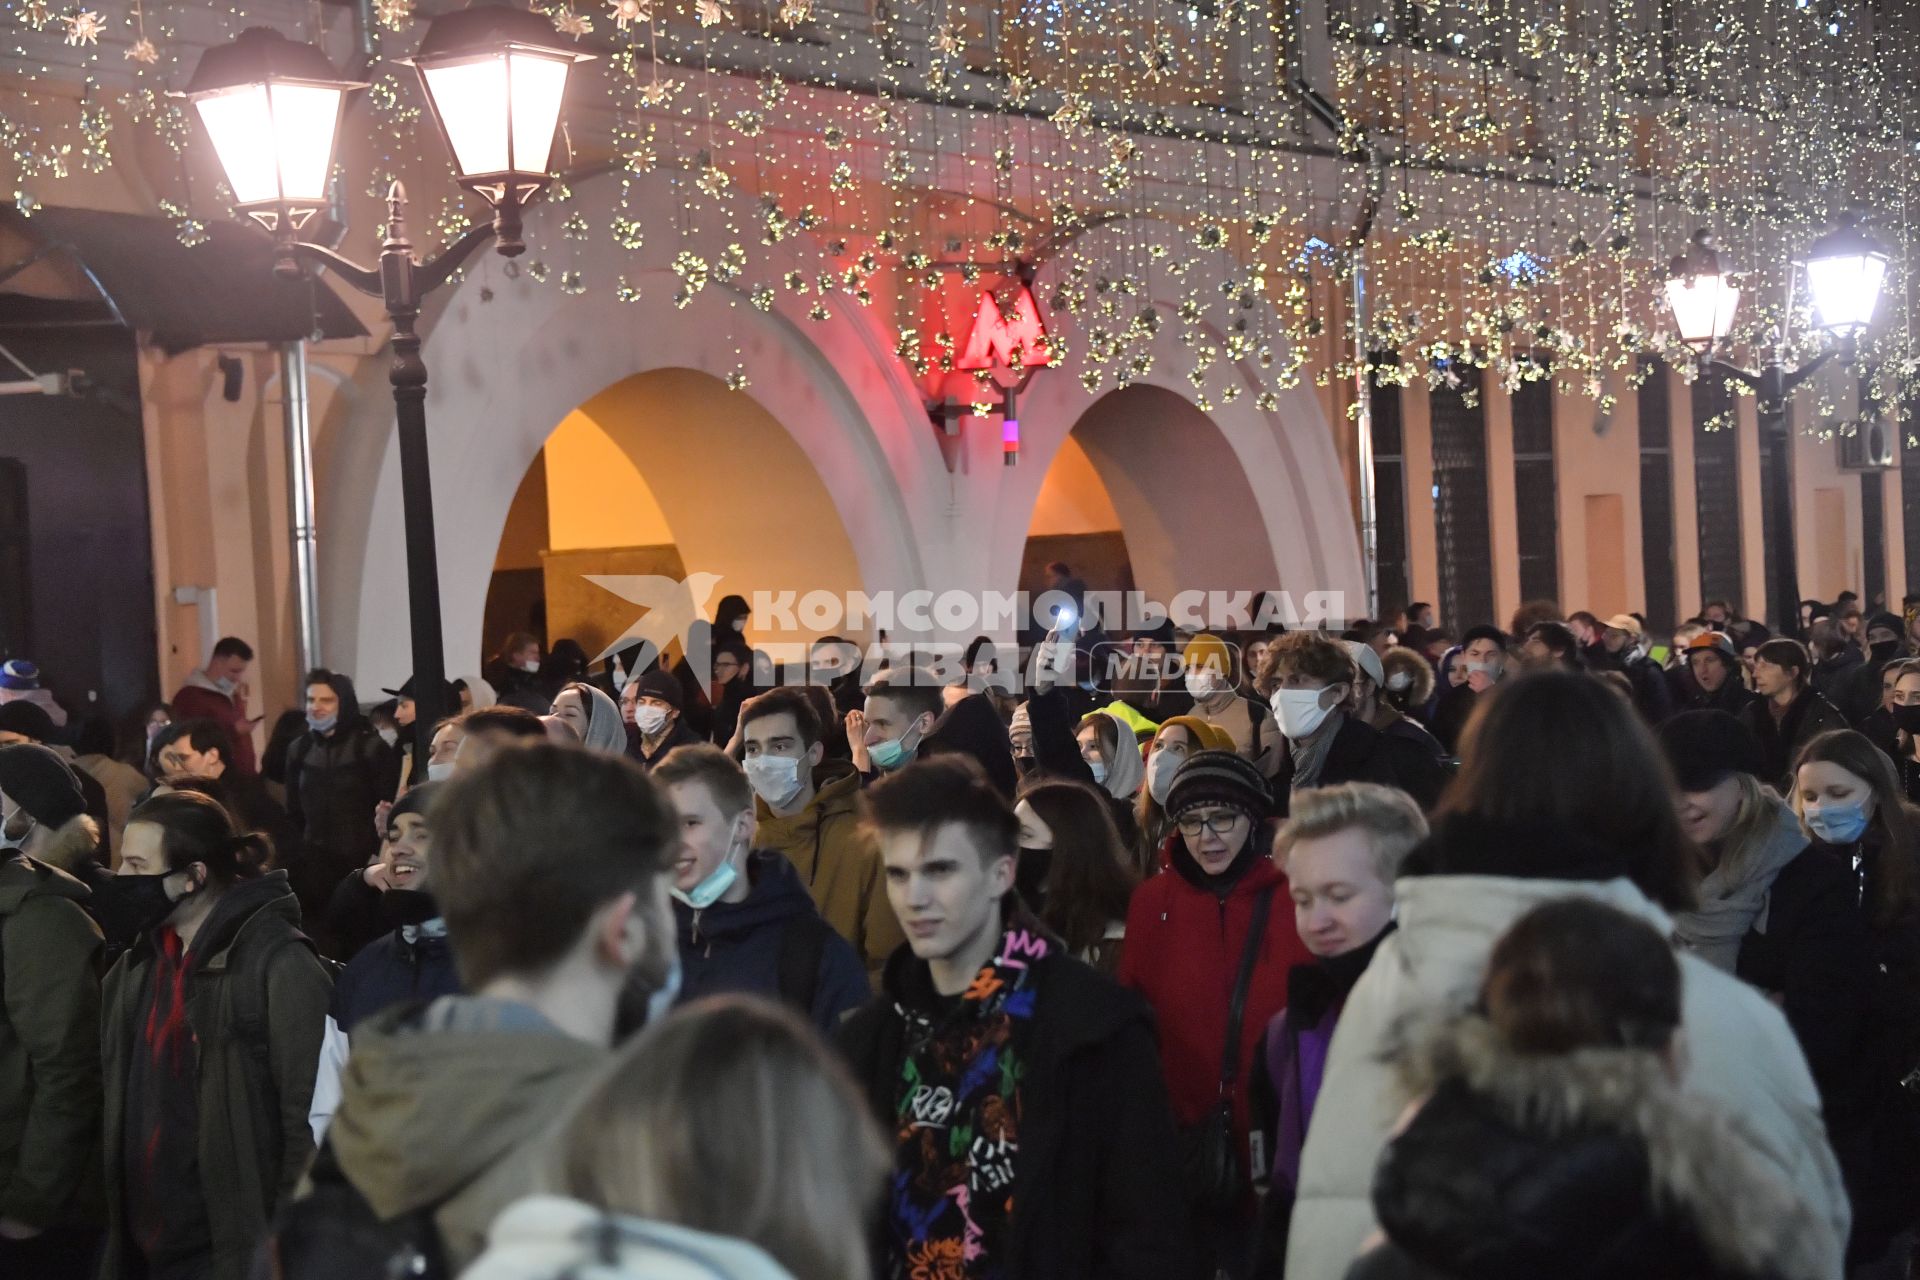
[85,27]
[711,13]
[569,22]
[627,12]
[143,52]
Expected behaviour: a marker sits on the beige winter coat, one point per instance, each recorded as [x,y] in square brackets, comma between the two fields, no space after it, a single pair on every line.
[1741,1054]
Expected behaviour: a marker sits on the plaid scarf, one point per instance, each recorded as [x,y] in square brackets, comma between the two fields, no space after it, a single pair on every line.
[958,1118]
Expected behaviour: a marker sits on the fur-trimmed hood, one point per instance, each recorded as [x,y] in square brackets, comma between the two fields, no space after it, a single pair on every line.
[1702,1168]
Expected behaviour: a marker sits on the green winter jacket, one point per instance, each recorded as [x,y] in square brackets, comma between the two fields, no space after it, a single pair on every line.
[257,1000]
[49,1048]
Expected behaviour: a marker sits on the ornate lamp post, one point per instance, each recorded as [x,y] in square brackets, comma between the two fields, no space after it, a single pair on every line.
[494,79]
[1845,271]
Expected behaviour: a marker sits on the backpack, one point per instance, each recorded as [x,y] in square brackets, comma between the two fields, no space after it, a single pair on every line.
[332,1233]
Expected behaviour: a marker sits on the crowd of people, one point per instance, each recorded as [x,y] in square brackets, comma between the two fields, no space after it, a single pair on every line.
[1521,951]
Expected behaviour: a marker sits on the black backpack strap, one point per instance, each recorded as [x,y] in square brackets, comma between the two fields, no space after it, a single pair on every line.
[803,944]
[1237,1014]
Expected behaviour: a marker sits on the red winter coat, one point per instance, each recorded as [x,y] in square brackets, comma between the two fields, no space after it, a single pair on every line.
[1183,954]
[196,701]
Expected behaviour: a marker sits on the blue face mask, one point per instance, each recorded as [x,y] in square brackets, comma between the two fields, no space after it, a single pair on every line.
[1099,768]
[709,890]
[322,724]
[1838,822]
[894,752]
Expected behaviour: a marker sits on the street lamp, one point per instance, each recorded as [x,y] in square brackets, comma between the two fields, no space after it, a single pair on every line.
[494,78]
[1846,270]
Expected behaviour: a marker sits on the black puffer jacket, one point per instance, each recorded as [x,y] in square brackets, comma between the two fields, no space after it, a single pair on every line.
[1780,740]
[334,782]
[1582,1166]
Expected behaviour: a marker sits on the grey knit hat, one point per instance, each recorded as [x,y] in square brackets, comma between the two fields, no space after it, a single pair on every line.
[1220,777]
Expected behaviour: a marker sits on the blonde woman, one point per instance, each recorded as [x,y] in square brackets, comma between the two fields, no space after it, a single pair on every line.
[724,1144]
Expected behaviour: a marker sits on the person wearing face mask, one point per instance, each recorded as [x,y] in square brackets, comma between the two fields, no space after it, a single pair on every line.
[1340,850]
[1901,716]
[337,772]
[1407,685]
[1201,948]
[809,812]
[211,1025]
[1208,666]
[401,737]
[1371,706]
[1176,739]
[1312,679]
[1789,712]
[22,722]
[745,922]
[218,692]
[1848,797]
[651,704]
[50,1098]
[902,706]
[1857,693]
[1074,870]
[1110,749]
[550,866]
[1475,669]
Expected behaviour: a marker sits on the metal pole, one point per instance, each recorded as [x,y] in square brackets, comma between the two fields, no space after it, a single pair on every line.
[306,539]
[401,291]
[1363,438]
[1775,421]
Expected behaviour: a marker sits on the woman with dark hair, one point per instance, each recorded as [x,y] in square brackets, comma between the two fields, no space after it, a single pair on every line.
[1553,1137]
[1075,872]
[1848,796]
[1562,792]
[211,1025]
[1789,713]
[337,773]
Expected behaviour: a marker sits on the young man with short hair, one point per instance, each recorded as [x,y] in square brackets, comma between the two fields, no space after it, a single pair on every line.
[745,921]
[901,706]
[808,811]
[1034,1137]
[218,692]
[204,749]
[651,704]
[1625,642]
[550,867]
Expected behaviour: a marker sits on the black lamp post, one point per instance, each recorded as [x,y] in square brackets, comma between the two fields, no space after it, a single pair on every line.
[494,79]
[1845,272]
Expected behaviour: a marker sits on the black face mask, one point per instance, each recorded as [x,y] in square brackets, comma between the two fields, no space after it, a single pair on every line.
[1884,650]
[402,907]
[128,906]
[1030,872]
[1025,764]
[1907,719]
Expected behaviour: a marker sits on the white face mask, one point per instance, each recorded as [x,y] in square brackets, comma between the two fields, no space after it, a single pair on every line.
[531,668]
[390,736]
[440,772]
[1161,767]
[1299,711]
[19,841]
[775,779]
[649,720]
[1199,683]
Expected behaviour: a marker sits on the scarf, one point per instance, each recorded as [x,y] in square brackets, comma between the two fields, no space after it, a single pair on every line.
[1733,896]
[1310,758]
[958,1116]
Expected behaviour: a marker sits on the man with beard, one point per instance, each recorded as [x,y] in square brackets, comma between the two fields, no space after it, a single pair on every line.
[550,867]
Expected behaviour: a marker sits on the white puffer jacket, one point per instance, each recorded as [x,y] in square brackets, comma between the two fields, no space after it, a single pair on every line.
[1740,1051]
[553,1238]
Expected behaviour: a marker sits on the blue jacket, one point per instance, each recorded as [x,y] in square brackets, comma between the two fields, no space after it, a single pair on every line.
[391,971]
[737,946]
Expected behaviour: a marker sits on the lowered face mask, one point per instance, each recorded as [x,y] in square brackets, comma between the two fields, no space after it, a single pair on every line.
[710,890]
[402,907]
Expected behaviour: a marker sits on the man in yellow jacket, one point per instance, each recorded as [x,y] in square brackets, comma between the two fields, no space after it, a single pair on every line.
[810,813]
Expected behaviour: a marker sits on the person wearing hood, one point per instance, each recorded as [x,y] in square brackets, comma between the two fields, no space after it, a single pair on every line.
[1340,850]
[1312,679]
[1562,793]
[1407,684]
[745,923]
[1074,870]
[550,866]
[1033,1137]
[22,722]
[337,772]
[1476,667]
[1901,719]
[651,705]
[1209,675]
[791,1165]
[1848,798]
[1177,738]
[1111,751]
[1551,1136]
[1789,712]
[1856,694]
[808,812]
[50,1099]
[1202,949]
[1370,704]
[211,1025]
[594,718]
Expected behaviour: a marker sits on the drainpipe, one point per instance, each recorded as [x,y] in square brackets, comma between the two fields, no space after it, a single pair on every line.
[306,541]
[1363,389]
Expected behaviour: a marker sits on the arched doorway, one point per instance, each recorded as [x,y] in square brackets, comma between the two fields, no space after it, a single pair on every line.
[664,473]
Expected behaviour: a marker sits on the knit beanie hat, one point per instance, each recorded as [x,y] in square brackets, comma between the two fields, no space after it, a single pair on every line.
[1223,778]
[19,674]
[1208,652]
[415,800]
[659,684]
[28,719]
[40,782]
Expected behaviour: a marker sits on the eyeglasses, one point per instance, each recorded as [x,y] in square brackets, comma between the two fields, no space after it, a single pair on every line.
[1220,824]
